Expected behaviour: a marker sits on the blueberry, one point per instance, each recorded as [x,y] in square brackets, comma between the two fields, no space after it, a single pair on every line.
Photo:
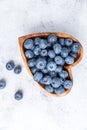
[74,55]
[19,95]
[76,47]
[58,69]
[32,62]
[43,52]
[59,60]
[38,76]
[68,42]
[56,82]
[52,38]
[41,63]
[64,52]
[59,90]
[68,84]
[57,48]
[10,65]
[17,69]
[63,74]
[53,74]
[43,44]
[51,66]
[49,88]
[2,84]
[29,54]
[51,53]
[69,60]
[37,50]
[37,41]
[29,44]
[33,69]
[47,79]
[61,41]
[44,70]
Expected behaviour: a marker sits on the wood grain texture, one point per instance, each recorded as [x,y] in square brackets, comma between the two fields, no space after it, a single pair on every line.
[67,67]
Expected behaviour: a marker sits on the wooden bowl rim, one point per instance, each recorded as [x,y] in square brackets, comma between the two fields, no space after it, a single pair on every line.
[45,34]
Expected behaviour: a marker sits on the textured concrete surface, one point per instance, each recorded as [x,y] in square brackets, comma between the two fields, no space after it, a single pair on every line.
[38,111]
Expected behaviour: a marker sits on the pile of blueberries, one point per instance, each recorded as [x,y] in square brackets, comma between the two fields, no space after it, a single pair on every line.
[17,70]
[47,57]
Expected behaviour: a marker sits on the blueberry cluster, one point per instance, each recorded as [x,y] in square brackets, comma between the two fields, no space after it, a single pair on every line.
[47,57]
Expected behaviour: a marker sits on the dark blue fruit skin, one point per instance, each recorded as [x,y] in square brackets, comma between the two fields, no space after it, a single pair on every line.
[57,48]
[56,82]
[19,95]
[53,74]
[52,38]
[51,53]
[49,88]
[51,66]
[68,42]
[34,69]
[76,47]
[45,71]
[32,62]
[75,55]
[29,54]
[10,65]
[43,44]
[59,90]
[69,60]
[29,44]
[43,52]
[47,80]
[41,63]
[37,41]
[38,76]
[58,69]
[62,41]
[17,69]
[2,84]
[63,74]
[37,50]
[68,84]
[59,60]
[64,52]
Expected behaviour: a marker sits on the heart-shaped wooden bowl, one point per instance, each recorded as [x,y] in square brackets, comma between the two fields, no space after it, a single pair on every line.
[44,35]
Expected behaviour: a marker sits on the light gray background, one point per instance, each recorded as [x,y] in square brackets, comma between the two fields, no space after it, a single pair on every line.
[38,111]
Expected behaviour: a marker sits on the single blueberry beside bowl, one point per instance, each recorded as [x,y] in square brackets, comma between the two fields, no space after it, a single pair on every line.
[18,95]
[2,84]
[17,69]
[10,65]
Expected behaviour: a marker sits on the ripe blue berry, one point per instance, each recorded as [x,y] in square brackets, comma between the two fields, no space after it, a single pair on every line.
[17,69]
[32,62]
[47,79]
[59,90]
[2,84]
[68,84]
[52,38]
[29,44]
[57,48]
[61,41]
[41,63]
[38,76]
[56,82]
[51,66]
[33,69]
[43,52]
[29,54]
[37,50]
[19,95]
[74,55]
[49,88]
[37,41]
[64,52]
[76,47]
[43,44]
[52,73]
[68,42]
[51,53]
[63,74]
[69,60]
[59,60]
[10,65]
[58,69]
[44,70]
